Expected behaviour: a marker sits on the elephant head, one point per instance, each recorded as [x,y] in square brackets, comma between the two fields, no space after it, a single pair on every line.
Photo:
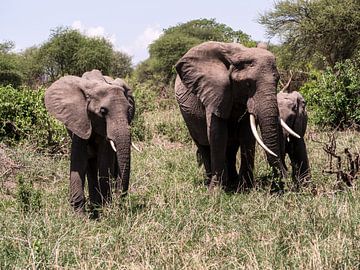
[225,76]
[293,112]
[95,104]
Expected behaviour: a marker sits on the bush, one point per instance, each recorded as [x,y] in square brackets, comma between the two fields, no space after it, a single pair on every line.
[28,198]
[145,101]
[10,77]
[23,116]
[334,95]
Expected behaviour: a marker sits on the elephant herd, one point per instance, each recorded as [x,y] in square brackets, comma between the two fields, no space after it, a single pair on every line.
[224,91]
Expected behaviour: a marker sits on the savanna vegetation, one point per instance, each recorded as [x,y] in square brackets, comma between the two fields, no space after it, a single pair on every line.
[169,220]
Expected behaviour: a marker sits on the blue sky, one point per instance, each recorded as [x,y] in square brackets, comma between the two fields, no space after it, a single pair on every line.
[130,25]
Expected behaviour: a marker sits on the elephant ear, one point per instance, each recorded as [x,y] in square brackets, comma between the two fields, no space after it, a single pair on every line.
[204,70]
[66,100]
[129,96]
[301,116]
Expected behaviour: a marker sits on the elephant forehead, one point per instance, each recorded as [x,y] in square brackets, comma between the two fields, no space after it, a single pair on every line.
[102,90]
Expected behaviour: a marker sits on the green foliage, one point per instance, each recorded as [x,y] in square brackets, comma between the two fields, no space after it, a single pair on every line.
[9,65]
[334,95]
[121,65]
[23,116]
[28,198]
[145,101]
[10,77]
[68,52]
[312,30]
[177,40]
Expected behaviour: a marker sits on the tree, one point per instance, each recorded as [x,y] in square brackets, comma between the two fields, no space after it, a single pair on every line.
[316,29]
[121,65]
[69,52]
[177,40]
[9,63]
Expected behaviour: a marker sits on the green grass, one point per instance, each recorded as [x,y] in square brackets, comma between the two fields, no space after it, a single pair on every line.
[170,221]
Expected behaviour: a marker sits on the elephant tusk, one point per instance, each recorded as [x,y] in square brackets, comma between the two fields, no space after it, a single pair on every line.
[113,145]
[135,147]
[288,129]
[256,135]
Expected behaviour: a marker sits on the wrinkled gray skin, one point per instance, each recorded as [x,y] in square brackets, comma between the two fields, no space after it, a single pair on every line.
[293,112]
[217,87]
[94,109]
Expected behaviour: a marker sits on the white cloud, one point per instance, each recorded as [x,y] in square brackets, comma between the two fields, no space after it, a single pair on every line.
[97,31]
[148,36]
[139,47]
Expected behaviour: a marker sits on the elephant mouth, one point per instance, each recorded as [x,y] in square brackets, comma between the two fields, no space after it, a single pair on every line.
[258,139]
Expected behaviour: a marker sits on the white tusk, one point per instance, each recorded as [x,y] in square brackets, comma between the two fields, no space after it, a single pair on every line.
[256,135]
[288,129]
[113,145]
[135,147]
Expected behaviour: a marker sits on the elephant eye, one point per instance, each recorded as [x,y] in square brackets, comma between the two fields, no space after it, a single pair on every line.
[103,111]
[244,64]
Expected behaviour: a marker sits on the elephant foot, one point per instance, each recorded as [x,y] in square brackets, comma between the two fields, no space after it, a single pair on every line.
[215,181]
[79,207]
[94,213]
[232,186]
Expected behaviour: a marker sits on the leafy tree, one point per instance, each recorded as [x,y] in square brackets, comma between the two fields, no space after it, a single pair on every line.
[334,98]
[177,40]
[32,67]
[9,64]
[70,52]
[317,29]
[93,53]
[121,65]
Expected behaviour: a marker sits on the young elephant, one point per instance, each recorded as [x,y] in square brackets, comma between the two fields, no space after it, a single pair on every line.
[97,111]
[293,112]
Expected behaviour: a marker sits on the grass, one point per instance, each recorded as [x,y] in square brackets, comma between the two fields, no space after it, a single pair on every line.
[170,221]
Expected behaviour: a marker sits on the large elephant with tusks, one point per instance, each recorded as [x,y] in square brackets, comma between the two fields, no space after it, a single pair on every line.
[224,90]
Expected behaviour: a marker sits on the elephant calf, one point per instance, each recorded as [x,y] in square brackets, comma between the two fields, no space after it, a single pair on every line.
[293,112]
[97,112]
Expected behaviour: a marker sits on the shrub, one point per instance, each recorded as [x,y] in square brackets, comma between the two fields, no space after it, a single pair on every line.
[145,101]
[334,95]
[28,198]
[10,77]
[23,116]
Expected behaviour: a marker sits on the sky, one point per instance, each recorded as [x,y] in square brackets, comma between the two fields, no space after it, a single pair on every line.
[131,25]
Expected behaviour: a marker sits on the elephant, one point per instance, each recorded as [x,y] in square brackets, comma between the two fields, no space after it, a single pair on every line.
[293,111]
[97,111]
[223,90]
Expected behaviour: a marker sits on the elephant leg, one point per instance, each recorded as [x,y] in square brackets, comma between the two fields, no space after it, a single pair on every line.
[233,177]
[204,152]
[106,165]
[299,162]
[218,135]
[247,147]
[78,164]
[94,188]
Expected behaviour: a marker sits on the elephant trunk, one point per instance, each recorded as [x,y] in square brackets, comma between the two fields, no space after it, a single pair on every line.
[119,132]
[267,114]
